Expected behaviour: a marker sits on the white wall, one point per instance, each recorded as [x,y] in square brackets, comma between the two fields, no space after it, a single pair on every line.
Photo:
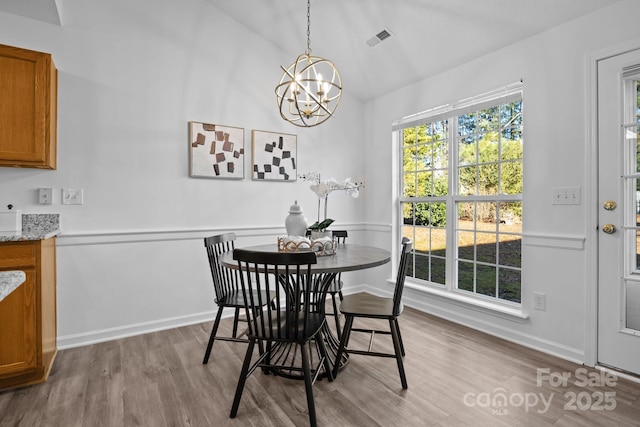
[553,67]
[131,76]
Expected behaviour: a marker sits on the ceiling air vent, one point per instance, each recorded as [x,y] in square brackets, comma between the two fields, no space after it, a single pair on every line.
[382,35]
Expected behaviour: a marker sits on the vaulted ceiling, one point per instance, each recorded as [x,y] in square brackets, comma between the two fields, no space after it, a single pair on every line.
[427,36]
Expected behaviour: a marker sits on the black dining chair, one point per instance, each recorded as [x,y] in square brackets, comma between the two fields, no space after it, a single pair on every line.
[293,319]
[367,306]
[341,239]
[226,285]
[335,288]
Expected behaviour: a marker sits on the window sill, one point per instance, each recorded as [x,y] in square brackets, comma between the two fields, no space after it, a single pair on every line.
[514,314]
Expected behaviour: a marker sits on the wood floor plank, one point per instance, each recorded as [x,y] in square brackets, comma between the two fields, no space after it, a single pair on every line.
[21,409]
[143,406]
[457,377]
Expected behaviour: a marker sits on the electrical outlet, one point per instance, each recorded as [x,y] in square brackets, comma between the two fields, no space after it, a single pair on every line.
[539,301]
[72,196]
[45,196]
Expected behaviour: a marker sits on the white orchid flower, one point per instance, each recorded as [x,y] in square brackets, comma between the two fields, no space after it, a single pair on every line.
[351,188]
[333,184]
[322,189]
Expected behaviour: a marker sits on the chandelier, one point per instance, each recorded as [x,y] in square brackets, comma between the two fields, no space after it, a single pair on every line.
[310,88]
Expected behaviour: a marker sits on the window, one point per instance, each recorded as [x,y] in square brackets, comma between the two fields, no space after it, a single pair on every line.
[631,130]
[461,195]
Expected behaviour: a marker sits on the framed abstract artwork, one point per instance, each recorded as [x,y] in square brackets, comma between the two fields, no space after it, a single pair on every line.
[273,156]
[217,151]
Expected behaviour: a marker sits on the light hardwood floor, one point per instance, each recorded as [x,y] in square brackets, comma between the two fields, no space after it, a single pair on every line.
[456,377]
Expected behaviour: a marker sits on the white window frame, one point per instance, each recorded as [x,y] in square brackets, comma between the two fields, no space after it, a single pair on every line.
[449,292]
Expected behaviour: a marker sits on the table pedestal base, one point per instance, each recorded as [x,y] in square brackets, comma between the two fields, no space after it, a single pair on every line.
[288,356]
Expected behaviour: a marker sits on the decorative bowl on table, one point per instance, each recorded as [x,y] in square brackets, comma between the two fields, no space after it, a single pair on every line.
[322,247]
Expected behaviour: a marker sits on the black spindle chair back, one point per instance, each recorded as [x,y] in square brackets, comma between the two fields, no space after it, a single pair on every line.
[402,274]
[226,286]
[285,275]
[225,280]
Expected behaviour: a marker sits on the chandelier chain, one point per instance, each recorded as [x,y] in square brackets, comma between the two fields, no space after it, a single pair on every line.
[308,52]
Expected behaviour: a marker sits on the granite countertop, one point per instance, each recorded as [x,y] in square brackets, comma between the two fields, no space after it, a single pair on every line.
[35,227]
[9,281]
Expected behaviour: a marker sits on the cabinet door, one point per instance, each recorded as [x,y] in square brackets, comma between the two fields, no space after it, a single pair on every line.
[28,84]
[18,329]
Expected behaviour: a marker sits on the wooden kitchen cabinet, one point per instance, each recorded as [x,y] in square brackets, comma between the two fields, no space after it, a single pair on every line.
[28,329]
[28,108]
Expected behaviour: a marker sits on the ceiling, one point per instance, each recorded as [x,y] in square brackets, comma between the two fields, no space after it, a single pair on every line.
[41,10]
[427,36]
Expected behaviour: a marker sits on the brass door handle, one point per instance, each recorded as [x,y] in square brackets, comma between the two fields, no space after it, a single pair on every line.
[609,228]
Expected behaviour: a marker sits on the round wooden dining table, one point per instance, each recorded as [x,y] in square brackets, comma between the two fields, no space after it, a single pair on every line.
[347,257]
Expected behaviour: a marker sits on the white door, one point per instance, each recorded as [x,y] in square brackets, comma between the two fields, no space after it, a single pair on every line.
[619,212]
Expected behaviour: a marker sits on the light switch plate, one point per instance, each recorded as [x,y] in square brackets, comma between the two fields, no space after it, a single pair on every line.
[72,196]
[566,195]
[45,196]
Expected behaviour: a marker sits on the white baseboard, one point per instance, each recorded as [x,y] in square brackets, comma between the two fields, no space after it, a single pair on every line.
[456,316]
[110,334]
[421,304]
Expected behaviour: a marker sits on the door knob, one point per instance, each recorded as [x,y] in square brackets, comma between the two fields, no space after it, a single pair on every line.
[610,205]
[609,228]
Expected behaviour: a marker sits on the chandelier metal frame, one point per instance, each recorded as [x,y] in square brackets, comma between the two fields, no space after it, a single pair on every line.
[310,88]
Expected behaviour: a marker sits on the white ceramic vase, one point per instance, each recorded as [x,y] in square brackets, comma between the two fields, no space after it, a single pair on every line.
[295,223]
